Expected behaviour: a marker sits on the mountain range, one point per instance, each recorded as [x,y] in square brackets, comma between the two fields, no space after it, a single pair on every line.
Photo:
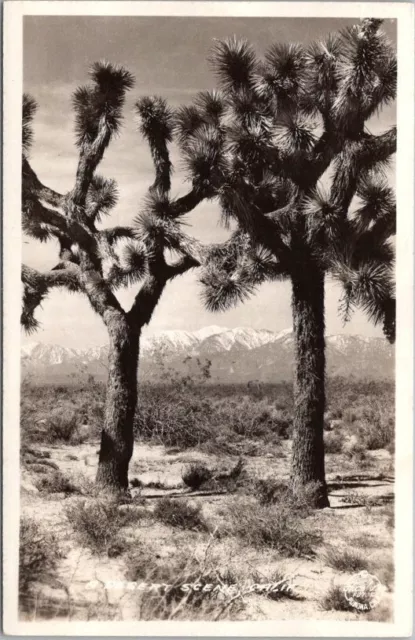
[237,356]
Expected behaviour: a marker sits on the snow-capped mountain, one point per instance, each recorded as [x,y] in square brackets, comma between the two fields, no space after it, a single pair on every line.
[237,355]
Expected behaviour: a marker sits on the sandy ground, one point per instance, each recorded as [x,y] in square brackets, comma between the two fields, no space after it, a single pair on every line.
[81,592]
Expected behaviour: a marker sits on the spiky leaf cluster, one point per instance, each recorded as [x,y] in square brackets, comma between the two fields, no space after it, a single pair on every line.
[99,105]
[290,120]
[97,261]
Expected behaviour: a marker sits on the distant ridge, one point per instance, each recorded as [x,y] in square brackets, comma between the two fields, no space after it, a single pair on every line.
[237,355]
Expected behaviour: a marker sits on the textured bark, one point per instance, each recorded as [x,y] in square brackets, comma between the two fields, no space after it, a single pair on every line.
[117,434]
[309,382]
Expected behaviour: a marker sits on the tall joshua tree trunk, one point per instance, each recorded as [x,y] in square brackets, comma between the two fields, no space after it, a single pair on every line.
[117,438]
[309,394]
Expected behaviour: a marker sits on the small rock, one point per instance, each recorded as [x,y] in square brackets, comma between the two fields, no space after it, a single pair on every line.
[29,487]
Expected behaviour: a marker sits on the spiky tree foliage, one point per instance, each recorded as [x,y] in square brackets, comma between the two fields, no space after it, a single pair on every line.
[96,260]
[303,179]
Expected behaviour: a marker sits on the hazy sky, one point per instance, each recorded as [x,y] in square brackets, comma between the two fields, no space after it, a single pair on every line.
[168,58]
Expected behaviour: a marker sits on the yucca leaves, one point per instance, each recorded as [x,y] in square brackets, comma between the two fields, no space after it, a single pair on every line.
[156,125]
[234,63]
[212,106]
[377,204]
[324,220]
[99,105]
[222,291]
[29,109]
[295,135]
[34,292]
[204,160]
[259,144]
[282,76]
[135,260]
[367,63]
[322,59]
[158,233]
[232,271]
[36,287]
[188,119]
[101,198]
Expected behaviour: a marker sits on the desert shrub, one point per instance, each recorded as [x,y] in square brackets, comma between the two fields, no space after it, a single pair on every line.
[39,554]
[335,600]
[184,417]
[63,426]
[37,462]
[364,541]
[52,413]
[196,474]
[333,442]
[56,482]
[334,413]
[362,500]
[349,416]
[377,434]
[97,524]
[172,419]
[229,479]
[177,601]
[272,491]
[256,419]
[285,587]
[31,454]
[177,513]
[276,527]
[355,450]
[346,560]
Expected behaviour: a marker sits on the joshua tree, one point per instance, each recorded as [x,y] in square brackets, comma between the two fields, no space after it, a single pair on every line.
[295,151]
[96,261]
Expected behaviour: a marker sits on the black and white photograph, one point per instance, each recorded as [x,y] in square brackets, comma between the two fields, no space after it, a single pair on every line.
[208,298]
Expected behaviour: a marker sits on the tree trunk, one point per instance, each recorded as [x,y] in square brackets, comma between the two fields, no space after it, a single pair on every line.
[309,383]
[117,437]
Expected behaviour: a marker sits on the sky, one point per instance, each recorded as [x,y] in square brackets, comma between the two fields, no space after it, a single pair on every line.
[168,57]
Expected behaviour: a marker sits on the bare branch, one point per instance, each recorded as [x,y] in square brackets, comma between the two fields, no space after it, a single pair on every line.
[70,228]
[98,290]
[181,266]
[186,203]
[147,299]
[32,184]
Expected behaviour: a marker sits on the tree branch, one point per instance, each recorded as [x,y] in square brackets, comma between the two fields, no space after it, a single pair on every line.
[70,228]
[90,157]
[156,125]
[116,233]
[99,293]
[181,266]
[186,203]
[146,299]
[37,285]
[356,159]
[263,230]
[33,184]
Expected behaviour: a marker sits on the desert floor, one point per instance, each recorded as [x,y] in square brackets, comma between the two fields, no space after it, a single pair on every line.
[227,535]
